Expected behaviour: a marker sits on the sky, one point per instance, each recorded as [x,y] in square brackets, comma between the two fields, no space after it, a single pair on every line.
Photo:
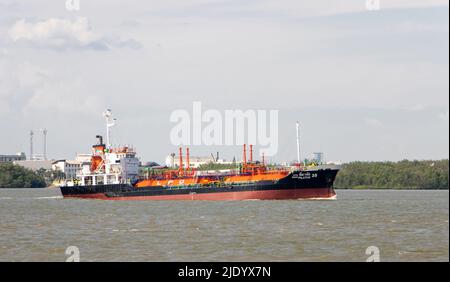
[366,84]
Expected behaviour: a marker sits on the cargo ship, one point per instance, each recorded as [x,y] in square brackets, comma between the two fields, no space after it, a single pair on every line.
[113,174]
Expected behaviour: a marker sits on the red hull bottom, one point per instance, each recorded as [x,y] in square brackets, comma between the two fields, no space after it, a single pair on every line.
[98,196]
[291,194]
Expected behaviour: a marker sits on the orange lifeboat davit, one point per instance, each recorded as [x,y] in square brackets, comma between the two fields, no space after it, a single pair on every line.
[97,158]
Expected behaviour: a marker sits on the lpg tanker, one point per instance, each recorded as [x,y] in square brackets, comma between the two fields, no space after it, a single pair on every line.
[113,174]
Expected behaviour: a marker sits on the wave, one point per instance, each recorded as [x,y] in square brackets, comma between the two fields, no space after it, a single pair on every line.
[48,197]
[332,198]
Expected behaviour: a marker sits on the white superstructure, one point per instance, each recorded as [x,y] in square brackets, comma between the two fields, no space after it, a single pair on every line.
[109,165]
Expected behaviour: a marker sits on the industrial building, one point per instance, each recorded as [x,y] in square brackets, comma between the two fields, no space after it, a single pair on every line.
[11,158]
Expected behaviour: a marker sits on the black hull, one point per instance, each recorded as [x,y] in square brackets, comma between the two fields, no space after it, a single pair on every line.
[304,184]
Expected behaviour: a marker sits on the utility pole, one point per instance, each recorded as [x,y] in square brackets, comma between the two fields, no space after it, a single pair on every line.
[298,143]
[31,145]
[45,143]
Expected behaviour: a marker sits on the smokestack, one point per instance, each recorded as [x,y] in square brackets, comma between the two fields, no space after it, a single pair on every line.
[100,139]
[31,144]
[251,153]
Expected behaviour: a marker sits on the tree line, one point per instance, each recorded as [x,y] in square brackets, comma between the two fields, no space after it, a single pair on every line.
[15,176]
[394,175]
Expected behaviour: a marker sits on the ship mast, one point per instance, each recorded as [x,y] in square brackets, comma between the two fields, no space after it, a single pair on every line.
[110,122]
[298,142]
[244,158]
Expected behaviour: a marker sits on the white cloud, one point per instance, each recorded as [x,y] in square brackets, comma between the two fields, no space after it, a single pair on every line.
[55,33]
[418,107]
[28,89]
[286,54]
[327,7]
[17,80]
[373,122]
[69,97]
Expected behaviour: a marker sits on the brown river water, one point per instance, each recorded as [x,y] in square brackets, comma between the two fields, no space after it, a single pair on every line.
[39,225]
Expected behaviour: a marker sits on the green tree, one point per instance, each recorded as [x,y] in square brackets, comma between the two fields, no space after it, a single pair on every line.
[14,176]
[394,175]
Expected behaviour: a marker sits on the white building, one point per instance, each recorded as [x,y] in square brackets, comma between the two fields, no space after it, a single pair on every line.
[68,167]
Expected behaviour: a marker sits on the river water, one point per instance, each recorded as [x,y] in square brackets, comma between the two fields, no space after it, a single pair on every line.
[39,225]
